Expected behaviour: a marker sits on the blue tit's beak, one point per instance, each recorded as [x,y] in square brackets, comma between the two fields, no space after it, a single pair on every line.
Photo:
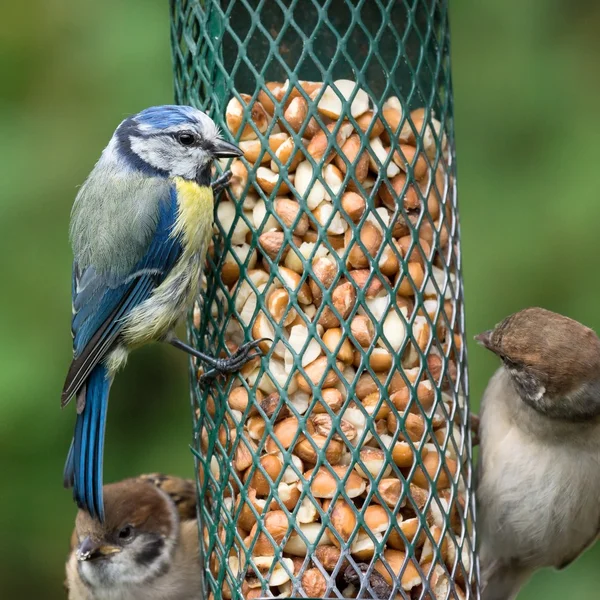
[91,550]
[224,149]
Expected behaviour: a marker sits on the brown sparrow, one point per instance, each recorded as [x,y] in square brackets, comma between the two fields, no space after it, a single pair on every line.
[147,547]
[538,490]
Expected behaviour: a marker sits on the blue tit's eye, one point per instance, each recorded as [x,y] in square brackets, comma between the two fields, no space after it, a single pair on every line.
[185,138]
[126,532]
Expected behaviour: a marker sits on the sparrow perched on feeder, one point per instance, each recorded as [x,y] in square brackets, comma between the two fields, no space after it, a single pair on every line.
[538,490]
[140,228]
[146,548]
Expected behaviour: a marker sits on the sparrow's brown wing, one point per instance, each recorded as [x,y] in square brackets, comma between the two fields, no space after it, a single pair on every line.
[181,491]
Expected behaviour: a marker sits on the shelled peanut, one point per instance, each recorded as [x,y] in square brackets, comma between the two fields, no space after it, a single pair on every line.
[343,257]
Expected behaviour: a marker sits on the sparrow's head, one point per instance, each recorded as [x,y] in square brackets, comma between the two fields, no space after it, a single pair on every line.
[136,541]
[554,362]
[172,141]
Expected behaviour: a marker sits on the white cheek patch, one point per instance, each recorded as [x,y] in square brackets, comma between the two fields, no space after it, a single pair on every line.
[152,150]
[187,162]
[529,386]
[123,569]
[130,566]
[165,153]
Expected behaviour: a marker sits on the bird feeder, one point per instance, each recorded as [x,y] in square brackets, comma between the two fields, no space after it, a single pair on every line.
[338,464]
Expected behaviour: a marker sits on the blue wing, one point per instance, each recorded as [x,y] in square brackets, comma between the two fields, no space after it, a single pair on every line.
[101,301]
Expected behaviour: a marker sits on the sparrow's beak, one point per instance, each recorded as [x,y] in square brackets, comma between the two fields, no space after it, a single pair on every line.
[224,149]
[90,550]
[485,339]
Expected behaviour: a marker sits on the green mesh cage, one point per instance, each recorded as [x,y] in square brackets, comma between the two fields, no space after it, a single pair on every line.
[339,463]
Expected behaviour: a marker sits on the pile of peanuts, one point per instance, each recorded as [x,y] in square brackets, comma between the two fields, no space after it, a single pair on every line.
[338,252]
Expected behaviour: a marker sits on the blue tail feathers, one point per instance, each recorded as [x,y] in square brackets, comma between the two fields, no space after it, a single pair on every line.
[83,469]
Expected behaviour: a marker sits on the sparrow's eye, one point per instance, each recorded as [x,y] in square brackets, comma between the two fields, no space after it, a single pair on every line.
[126,532]
[185,138]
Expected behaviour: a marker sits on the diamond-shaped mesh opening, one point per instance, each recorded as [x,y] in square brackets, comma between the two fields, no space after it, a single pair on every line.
[338,465]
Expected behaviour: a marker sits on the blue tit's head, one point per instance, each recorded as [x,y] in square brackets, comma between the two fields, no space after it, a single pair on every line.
[172,141]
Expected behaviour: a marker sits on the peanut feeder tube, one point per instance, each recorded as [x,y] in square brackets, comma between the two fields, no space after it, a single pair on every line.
[339,464]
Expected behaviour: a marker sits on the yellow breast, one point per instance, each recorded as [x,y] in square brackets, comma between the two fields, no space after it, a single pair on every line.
[195,214]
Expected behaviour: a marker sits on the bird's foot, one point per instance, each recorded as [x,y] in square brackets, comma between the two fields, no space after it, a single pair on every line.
[221,366]
[224,366]
[221,182]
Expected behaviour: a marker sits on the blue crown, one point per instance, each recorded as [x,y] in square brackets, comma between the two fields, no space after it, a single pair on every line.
[161,117]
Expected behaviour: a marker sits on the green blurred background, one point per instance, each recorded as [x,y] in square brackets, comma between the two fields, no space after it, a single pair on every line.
[527,91]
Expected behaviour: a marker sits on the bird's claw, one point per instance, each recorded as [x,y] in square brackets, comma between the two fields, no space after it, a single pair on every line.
[224,366]
[221,182]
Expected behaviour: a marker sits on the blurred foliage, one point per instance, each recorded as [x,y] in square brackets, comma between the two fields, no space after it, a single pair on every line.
[526,97]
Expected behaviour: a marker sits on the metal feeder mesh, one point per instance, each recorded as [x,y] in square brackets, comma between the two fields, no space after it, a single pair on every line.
[389,48]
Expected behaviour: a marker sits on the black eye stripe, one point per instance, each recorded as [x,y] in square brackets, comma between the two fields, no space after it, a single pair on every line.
[199,142]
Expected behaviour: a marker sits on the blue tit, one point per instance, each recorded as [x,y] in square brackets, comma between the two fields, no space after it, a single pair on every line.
[140,228]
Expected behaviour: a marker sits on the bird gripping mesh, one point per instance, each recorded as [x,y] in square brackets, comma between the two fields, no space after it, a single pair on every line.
[339,463]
